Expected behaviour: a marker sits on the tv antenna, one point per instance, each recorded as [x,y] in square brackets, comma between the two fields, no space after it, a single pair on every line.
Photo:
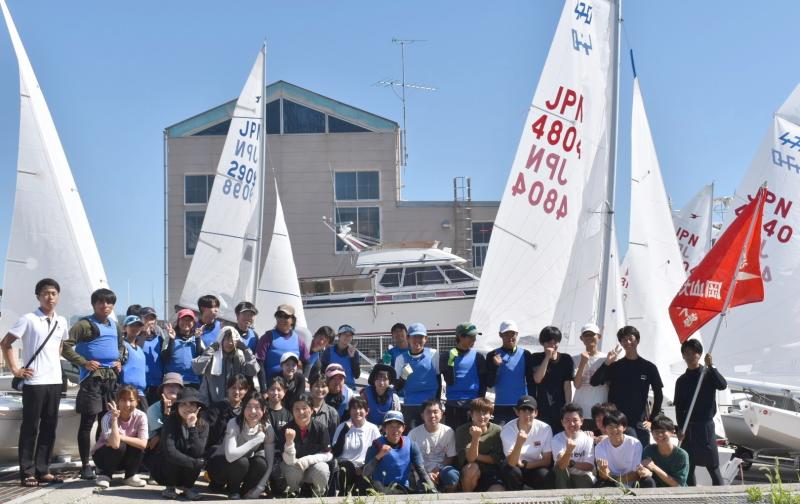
[403,85]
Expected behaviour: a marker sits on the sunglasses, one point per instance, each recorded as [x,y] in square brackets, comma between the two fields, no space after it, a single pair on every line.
[282,316]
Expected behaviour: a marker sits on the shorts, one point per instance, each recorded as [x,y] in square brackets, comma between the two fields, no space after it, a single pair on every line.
[94,394]
[490,475]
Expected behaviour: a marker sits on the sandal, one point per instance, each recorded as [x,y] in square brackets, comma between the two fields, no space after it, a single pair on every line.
[50,479]
[30,481]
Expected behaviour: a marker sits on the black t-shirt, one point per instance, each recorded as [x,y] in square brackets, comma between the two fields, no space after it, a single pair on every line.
[550,393]
[706,406]
[316,441]
[629,382]
[279,419]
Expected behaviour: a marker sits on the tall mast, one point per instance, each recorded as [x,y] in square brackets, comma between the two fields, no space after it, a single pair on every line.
[610,188]
[262,165]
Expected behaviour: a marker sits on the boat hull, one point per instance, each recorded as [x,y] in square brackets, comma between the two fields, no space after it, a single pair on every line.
[775,425]
[66,446]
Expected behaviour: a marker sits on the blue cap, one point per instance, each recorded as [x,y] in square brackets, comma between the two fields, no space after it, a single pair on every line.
[417,329]
[394,416]
[345,329]
[132,319]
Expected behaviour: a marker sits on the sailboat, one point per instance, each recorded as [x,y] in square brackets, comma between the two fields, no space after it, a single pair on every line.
[550,251]
[50,237]
[693,227]
[225,262]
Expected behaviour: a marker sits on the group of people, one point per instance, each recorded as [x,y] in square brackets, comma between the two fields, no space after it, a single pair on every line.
[270,414]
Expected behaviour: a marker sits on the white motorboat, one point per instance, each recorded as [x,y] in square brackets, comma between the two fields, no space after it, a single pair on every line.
[66,447]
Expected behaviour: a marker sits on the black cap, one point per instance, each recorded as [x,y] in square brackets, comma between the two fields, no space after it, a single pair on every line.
[190,395]
[527,401]
[147,311]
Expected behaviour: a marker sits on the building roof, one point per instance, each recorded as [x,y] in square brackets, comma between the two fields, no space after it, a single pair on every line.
[283,89]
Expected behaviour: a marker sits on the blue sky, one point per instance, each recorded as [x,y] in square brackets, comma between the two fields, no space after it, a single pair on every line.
[116,74]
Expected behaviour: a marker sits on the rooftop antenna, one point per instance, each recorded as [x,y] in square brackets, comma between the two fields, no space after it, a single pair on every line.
[402,84]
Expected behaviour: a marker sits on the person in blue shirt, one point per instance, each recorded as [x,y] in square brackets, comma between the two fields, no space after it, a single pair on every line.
[183,346]
[509,371]
[464,372]
[399,344]
[418,374]
[273,344]
[391,458]
[245,318]
[379,393]
[344,354]
[134,370]
[321,340]
[339,393]
[152,340]
[208,325]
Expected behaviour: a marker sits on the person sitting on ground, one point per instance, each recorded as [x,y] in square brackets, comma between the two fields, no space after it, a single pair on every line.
[527,447]
[586,364]
[217,415]
[242,464]
[351,440]
[509,371]
[380,394]
[157,413]
[573,450]
[227,357]
[123,438]
[183,346]
[278,415]
[183,442]
[464,373]
[668,463]
[480,449]
[392,456]
[321,340]
[305,456]
[339,394]
[209,325]
[245,317]
[619,456]
[134,370]
[322,412]
[437,443]
[552,376]
[418,374]
[345,354]
[293,376]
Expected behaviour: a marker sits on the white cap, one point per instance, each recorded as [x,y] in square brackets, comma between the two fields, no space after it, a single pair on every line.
[590,327]
[289,355]
[508,325]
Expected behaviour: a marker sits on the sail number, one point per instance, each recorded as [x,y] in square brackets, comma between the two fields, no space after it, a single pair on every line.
[550,200]
[241,182]
[782,207]
[556,134]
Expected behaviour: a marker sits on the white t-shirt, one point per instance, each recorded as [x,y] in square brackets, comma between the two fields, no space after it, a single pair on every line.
[621,459]
[357,441]
[538,443]
[583,452]
[435,446]
[32,329]
[586,395]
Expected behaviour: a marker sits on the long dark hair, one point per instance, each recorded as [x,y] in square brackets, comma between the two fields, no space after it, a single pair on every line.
[253,395]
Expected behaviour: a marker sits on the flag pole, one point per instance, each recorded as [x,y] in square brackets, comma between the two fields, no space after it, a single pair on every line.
[724,312]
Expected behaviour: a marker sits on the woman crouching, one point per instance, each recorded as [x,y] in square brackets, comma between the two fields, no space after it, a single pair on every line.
[184,438]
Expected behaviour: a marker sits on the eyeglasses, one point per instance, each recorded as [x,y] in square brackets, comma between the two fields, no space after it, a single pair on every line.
[282,316]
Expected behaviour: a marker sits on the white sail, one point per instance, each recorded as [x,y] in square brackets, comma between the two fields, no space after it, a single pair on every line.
[50,234]
[693,227]
[546,251]
[225,262]
[760,341]
[615,318]
[653,262]
[279,282]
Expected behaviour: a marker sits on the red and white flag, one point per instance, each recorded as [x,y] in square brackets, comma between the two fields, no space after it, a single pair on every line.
[704,293]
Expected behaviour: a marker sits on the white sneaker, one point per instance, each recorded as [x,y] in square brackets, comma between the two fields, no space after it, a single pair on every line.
[134,481]
[102,481]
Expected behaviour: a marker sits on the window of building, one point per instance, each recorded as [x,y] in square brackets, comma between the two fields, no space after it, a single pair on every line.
[274,117]
[197,188]
[455,275]
[336,125]
[366,223]
[301,119]
[219,129]
[391,278]
[425,275]
[193,223]
[481,233]
[354,186]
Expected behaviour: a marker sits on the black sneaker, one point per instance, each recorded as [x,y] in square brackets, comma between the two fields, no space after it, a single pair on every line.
[87,473]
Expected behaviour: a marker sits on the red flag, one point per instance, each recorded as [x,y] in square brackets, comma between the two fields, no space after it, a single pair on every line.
[704,293]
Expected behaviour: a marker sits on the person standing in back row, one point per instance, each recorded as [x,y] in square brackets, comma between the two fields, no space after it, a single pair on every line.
[508,370]
[273,344]
[344,354]
[418,374]
[41,389]
[587,395]
[552,375]
[629,382]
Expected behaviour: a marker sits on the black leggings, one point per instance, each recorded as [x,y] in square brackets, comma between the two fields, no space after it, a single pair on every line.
[109,460]
[85,433]
[239,476]
[179,476]
[716,476]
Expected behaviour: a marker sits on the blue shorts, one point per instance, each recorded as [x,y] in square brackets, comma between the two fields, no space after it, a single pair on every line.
[448,477]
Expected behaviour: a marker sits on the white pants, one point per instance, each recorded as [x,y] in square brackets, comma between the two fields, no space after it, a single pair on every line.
[317,475]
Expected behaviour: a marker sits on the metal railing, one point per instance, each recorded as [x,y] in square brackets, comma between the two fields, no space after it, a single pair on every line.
[373,347]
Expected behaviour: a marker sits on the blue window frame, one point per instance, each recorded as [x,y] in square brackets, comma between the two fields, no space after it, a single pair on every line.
[354,186]
[301,119]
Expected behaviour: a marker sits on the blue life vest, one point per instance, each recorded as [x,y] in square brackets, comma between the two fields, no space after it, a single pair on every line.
[393,353]
[395,466]
[103,348]
[465,378]
[279,346]
[152,360]
[511,381]
[134,369]
[377,410]
[334,357]
[312,359]
[210,333]
[423,382]
[183,352]
[342,409]
[251,339]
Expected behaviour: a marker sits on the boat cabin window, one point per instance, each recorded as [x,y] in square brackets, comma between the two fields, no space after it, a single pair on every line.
[455,275]
[391,278]
[426,275]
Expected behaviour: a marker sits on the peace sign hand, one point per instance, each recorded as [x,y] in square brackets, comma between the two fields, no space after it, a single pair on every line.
[112,408]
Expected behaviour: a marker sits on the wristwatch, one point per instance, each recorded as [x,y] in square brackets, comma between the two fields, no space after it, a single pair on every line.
[571,463]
